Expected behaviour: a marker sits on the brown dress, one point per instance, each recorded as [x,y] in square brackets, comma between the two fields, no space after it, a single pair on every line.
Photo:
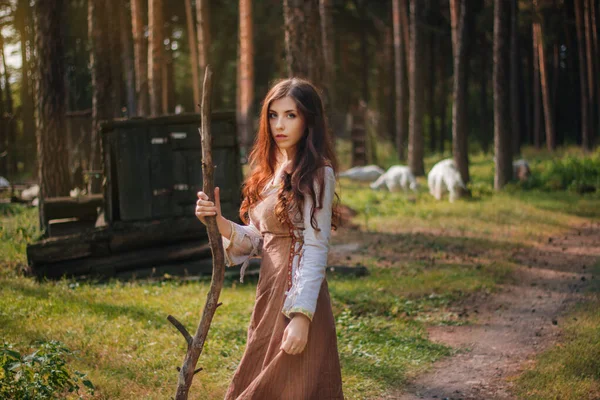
[266,372]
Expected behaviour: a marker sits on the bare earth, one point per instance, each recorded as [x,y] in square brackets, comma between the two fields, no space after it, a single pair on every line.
[507,328]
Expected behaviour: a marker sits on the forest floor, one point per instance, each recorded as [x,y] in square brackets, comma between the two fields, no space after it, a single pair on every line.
[507,328]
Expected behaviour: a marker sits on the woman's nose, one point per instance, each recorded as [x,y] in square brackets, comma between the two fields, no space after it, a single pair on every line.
[279,124]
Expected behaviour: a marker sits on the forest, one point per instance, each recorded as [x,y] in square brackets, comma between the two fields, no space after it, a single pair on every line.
[490,292]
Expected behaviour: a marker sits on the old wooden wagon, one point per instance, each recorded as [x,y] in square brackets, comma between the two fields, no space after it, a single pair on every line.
[143,224]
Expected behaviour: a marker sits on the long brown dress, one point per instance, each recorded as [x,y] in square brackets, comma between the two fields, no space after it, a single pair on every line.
[266,372]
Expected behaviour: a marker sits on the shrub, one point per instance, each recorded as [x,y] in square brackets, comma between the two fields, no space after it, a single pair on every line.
[43,374]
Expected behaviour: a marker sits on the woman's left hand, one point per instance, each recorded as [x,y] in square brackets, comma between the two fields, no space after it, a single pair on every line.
[295,335]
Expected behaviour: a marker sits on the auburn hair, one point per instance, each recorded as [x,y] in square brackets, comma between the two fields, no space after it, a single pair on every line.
[314,151]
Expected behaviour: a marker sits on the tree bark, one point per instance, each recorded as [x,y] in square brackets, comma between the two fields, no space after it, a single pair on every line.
[483,100]
[203,36]
[548,117]
[140,50]
[591,61]
[443,99]
[127,60]
[405,24]
[53,169]
[195,344]
[503,157]
[115,53]
[515,62]
[399,81]
[460,148]
[102,80]
[9,117]
[537,106]
[586,134]
[191,29]
[155,54]
[596,56]
[27,108]
[327,41]
[168,80]
[415,122]
[246,75]
[433,50]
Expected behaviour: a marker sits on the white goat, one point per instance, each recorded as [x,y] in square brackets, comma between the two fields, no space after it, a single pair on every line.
[395,178]
[365,174]
[445,177]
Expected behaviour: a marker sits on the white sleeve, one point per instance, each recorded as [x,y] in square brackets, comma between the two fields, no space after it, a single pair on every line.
[245,242]
[303,295]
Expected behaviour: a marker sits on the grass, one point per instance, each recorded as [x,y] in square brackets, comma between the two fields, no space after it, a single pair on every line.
[570,370]
[424,257]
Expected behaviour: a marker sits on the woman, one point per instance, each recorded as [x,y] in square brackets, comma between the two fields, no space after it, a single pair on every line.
[291,352]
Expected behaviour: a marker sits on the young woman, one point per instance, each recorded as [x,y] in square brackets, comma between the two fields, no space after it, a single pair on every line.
[291,352]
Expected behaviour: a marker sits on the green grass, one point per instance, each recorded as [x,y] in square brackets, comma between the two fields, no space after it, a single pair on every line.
[423,256]
[571,370]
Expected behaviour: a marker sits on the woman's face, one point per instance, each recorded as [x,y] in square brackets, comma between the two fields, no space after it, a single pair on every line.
[287,125]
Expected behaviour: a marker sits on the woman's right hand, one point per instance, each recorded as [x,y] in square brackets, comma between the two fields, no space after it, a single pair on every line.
[205,207]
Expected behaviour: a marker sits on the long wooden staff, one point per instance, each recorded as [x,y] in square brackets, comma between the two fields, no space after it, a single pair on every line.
[195,344]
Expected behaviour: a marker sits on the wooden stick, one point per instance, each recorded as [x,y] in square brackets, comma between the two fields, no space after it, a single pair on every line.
[194,349]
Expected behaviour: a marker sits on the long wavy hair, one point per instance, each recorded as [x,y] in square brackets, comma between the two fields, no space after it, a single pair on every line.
[314,151]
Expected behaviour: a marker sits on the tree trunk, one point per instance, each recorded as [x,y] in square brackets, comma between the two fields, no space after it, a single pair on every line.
[4,148]
[454,15]
[53,168]
[327,41]
[591,61]
[596,56]
[193,52]
[431,83]
[246,75]
[405,24]
[9,118]
[140,50]
[503,157]
[102,82]
[537,105]
[399,81]
[460,148]
[203,36]
[127,59]
[443,99]
[302,39]
[155,54]
[515,63]
[483,98]
[586,134]
[116,70]
[168,80]
[548,117]
[27,108]
[415,122]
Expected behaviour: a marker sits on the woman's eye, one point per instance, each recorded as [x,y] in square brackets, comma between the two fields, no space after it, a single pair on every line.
[291,116]
[272,115]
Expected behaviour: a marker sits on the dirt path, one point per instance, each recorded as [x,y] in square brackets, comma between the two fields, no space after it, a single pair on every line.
[510,326]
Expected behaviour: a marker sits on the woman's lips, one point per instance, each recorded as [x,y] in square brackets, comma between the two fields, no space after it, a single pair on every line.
[280,137]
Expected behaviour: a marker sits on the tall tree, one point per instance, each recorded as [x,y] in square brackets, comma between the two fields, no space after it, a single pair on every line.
[24,24]
[590,35]
[586,129]
[127,59]
[140,50]
[515,67]
[246,74]
[503,157]
[459,10]
[537,98]
[53,168]
[327,42]
[399,80]
[167,77]
[191,28]
[203,35]
[432,53]
[155,54]
[416,89]
[102,79]
[548,114]
[596,57]
[113,8]
[302,39]
[9,117]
